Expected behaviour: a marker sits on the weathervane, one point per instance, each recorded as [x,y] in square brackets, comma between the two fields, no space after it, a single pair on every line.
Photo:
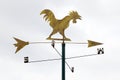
[59,26]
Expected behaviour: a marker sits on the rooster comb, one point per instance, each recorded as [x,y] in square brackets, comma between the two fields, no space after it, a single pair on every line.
[73,13]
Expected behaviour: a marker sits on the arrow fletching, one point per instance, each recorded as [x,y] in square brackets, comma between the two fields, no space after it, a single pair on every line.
[20,44]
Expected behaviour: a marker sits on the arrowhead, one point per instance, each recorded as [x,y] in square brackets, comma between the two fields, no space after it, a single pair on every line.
[93,43]
[20,44]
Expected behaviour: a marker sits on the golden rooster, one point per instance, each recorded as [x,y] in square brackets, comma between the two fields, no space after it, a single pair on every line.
[59,25]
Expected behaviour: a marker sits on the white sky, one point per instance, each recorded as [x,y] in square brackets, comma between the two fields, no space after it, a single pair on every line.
[21,19]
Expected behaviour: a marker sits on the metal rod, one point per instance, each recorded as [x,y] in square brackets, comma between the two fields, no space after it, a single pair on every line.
[45,60]
[58,42]
[63,61]
[61,58]
[38,42]
[83,56]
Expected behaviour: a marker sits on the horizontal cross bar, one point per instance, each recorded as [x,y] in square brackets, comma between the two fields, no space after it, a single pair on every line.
[65,58]
[58,42]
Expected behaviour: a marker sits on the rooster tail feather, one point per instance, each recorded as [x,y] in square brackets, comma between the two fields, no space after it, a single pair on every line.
[49,16]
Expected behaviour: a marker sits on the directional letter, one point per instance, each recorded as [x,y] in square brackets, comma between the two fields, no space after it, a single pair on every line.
[100,50]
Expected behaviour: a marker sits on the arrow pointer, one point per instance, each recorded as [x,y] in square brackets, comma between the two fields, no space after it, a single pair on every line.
[21,44]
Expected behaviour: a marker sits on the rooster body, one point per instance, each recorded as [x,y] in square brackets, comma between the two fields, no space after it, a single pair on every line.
[59,25]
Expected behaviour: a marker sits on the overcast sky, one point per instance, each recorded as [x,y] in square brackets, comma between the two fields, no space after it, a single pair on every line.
[21,19]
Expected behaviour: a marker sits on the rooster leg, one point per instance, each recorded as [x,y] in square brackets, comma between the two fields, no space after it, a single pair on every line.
[53,32]
[63,34]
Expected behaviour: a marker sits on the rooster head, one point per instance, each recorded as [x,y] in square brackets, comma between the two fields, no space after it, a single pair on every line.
[74,16]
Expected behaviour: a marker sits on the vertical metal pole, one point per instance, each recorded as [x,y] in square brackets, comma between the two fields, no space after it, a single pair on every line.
[63,61]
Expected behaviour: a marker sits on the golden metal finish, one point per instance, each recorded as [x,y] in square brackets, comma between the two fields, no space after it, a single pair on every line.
[20,44]
[59,25]
[93,43]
